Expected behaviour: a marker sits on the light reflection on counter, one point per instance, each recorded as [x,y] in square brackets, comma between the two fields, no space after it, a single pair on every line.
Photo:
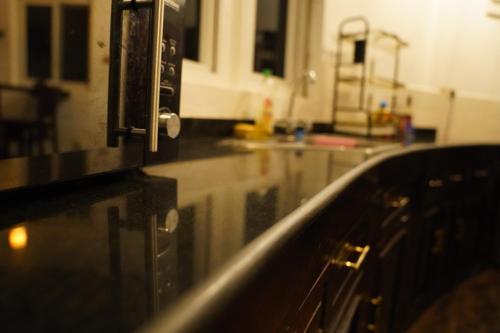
[18,238]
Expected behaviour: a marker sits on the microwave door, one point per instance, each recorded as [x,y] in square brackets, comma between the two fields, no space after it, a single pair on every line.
[151,63]
[54,93]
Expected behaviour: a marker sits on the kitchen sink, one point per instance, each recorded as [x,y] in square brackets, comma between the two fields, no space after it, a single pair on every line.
[369,147]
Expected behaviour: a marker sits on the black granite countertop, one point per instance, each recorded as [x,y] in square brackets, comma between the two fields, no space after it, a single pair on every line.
[113,255]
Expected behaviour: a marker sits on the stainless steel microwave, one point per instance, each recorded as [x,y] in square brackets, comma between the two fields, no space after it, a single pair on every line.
[87,87]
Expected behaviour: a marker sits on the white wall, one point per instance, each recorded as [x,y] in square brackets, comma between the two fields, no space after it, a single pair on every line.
[4,42]
[8,43]
[452,41]
[453,45]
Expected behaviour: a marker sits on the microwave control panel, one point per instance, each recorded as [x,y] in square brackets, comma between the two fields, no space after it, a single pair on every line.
[171,56]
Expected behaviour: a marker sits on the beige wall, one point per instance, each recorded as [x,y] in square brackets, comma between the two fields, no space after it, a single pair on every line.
[453,46]
[4,41]
[9,42]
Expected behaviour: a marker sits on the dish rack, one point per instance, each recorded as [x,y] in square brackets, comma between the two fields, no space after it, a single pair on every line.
[346,117]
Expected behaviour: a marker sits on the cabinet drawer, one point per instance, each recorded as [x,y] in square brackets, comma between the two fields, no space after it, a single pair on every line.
[343,282]
[309,317]
[338,300]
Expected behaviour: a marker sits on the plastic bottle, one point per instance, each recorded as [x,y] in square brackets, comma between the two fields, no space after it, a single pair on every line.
[408,129]
[265,119]
[381,113]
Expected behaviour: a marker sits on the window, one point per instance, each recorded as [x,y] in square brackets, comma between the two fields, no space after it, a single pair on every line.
[57,51]
[39,41]
[192,30]
[200,31]
[74,43]
[270,36]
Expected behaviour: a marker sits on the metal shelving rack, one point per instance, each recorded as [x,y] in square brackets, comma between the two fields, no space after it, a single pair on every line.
[364,38]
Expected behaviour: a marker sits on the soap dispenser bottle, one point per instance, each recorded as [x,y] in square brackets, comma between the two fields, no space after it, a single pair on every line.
[265,118]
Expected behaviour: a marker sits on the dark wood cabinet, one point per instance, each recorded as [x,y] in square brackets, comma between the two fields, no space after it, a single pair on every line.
[433,223]
[388,283]
[309,317]
[394,240]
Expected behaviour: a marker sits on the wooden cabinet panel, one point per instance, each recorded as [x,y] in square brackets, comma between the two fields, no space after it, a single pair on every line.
[389,283]
[309,317]
[315,324]
[427,218]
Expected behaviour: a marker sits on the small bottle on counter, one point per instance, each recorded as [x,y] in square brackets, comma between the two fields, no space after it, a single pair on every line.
[265,118]
[406,130]
[383,114]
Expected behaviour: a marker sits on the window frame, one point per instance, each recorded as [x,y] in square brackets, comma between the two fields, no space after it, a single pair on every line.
[47,71]
[62,42]
[56,61]
[234,63]
[226,91]
[296,39]
[279,50]
[207,41]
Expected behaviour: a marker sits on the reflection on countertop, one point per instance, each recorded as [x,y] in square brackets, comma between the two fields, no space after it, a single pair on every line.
[234,199]
[109,257]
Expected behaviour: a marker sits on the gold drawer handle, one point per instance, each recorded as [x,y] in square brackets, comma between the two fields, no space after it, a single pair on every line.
[399,202]
[481,173]
[436,183]
[376,301]
[363,252]
[456,178]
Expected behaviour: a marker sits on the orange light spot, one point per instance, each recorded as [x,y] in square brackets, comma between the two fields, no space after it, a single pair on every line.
[18,238]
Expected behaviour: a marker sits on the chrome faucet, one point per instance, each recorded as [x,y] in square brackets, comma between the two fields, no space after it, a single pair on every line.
[308,76]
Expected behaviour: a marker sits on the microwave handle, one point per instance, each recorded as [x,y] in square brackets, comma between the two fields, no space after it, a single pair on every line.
[156,57]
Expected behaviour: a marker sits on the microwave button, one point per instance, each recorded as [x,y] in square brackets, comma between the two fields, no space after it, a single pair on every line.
[171,71]
[166,90]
